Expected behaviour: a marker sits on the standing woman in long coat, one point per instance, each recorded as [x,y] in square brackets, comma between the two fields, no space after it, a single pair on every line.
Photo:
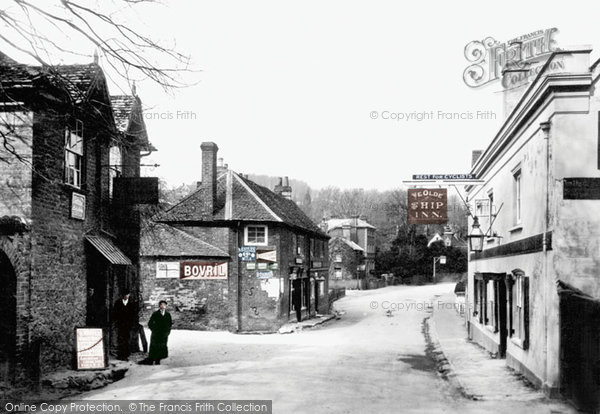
[160,325]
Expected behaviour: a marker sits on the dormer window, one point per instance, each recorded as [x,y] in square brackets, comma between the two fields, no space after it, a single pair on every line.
[74,154]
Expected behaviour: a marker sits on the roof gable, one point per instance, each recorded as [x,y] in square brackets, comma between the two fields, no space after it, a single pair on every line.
[248,202]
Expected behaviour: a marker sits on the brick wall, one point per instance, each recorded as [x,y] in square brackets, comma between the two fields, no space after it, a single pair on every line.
[15,175]
[193,304]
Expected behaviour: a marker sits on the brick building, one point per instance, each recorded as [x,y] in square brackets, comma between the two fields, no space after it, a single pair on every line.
[359,232]
[64,254]
[346,263]
[242,257]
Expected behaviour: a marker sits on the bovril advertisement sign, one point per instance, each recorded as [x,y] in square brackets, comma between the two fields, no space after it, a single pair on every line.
[203,270]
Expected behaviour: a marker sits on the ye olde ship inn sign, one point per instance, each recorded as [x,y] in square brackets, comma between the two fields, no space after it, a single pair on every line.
[427,206]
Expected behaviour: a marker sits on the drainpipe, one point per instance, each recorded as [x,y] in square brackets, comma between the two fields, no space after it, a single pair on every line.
[545,127]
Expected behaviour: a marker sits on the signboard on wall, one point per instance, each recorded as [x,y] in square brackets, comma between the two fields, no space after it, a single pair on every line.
[267,255]
[581,188]
[427,206]
[77,206]
[89,348]
[203,270]
[247,253]
[265,274]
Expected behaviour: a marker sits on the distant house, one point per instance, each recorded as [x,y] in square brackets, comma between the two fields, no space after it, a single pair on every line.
[240,257]
[359,232]
[346,262]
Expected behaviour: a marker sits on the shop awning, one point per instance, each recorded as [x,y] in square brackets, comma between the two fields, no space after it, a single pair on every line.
[108,249]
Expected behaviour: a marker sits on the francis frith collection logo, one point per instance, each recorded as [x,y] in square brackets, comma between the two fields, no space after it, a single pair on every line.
[526,55]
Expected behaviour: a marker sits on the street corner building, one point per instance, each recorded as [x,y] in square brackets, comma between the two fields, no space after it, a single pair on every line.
[533,291]
[69,237]
[234,255]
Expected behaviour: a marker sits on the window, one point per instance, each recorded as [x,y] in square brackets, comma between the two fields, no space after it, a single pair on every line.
[517,196]
[482,207]
[256,235]
[299,244]
[338,273]
[74,154]
[519,308]
[338,258]
[167,270]
[115,167]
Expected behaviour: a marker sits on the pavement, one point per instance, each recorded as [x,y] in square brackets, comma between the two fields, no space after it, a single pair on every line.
[474,371]
[305,324]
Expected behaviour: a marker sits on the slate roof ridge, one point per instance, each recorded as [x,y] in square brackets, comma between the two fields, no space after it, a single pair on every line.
[161,215]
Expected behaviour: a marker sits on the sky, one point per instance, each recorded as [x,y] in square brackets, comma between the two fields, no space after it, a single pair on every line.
[301,89]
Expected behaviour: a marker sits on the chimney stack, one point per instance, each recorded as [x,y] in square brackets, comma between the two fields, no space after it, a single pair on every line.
[475,156]
[209,176]
[286,190]
[283,188]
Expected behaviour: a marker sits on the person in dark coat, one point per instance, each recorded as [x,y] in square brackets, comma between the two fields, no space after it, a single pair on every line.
[124,319]
[160,324]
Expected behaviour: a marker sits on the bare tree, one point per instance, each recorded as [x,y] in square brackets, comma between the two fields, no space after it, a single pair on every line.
[44,30]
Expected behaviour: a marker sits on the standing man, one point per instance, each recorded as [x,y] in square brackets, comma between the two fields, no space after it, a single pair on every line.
[124,318]
[160,324]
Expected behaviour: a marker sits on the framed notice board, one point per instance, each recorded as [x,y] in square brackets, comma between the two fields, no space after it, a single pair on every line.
[90,349]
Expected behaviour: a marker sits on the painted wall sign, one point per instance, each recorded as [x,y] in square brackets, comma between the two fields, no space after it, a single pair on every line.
[264,274]
[203,270]
[488,57]
[247,253]
[77,206]
[582,188]
[89,348]
[167,270]
[427,206]
[266,255]
[443,176]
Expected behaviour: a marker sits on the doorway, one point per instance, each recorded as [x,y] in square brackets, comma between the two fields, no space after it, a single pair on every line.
[8,322]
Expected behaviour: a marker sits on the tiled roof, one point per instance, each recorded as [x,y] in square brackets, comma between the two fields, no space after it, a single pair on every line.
[78,80]
[336,223]
[122,106]
[249,202]
[127,112]
[159,239]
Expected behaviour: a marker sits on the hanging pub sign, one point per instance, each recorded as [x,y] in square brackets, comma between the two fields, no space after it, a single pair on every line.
[89,348]
[203,270]
[427,206]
